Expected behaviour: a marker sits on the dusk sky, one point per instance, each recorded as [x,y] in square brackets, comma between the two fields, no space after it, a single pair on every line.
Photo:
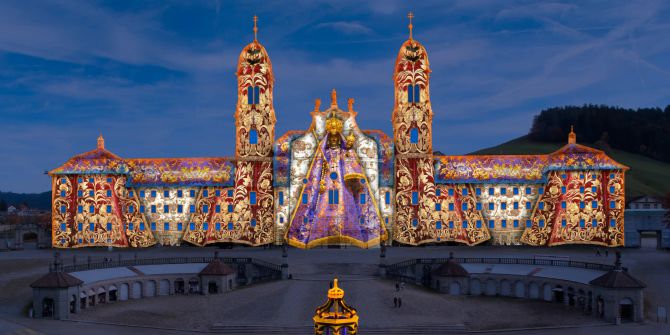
[157,77]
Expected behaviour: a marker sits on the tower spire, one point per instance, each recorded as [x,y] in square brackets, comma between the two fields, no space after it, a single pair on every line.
[255,28]
[333,98]
[410,16]
[572,137]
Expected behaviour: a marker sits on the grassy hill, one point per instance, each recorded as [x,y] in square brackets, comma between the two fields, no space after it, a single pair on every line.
[646,175]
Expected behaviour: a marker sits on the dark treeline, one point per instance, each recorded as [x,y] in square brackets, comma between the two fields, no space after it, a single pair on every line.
[644,131]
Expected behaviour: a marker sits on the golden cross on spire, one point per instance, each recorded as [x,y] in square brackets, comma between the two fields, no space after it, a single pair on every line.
[410,16]
[255,28]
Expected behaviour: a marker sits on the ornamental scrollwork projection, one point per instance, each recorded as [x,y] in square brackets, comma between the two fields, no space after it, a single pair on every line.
[255,116]
[137,230]
[415,201]
[456,216]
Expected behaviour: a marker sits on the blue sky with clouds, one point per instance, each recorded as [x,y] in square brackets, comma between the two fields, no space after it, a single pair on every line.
[157,77]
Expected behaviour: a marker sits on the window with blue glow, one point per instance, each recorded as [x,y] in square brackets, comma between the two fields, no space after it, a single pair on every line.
[541,223]
[180,193]
[581,189]
[180,208]
[492,224]
[362,198]
[252,198]
[205,193]
[192,208]
[109,226]
[594,223]
[304,198]
[563,204]
[153,194]
[541,205]
[515,190]
[582,205]
[63,194]
[451,224]
[250,95]
[109,193]
[205,226]
[217,193]
[438,192]
[166,193]
[230,208]
[515,205]
[465,192]
[131,226]
[253,136]
[217,208]
[438,225]
[540,190]
[464,206]
[451,206]
[612,223]
[503,190]
[141,226]
[280,196]
[414,135]
[492,191]
[63,209]
[594,204]
[166,226]
[153,208]
[478,191]
[465,224]
[529,190]
[91,209]
[205,208]
[410,93]
[91,226]
[230,226]
[192,226]
[166,208]
[153,226]
[491,206]
[253,222]
[415,198]
[415,222]
[109,208]
[582,223]
[478,206]
[438,206]
[516,223]
[503,205]
[191,193]
[417,93]
[503,223]
[528,205]
[63,226]
[594,189]
[613,204]
[217,226]
[80,193]
[563,189]
[387,198]
[451,192]
[230,193]
[564,223]
[529,223]
[80,226]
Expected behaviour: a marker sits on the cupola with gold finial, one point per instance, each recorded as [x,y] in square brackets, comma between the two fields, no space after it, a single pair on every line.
[101,142]
[335,316]
[255,116]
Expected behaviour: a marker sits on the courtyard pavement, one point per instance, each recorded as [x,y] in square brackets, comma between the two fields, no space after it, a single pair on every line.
[291,303]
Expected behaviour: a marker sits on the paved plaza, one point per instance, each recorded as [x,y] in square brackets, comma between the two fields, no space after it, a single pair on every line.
[289,304]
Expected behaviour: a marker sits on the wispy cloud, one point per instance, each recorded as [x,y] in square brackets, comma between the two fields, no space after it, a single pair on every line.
[346,27]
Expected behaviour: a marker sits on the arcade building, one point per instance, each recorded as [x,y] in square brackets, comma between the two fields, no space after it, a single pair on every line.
[335,183]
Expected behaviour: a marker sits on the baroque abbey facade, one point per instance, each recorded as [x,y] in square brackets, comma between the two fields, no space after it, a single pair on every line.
[335,183]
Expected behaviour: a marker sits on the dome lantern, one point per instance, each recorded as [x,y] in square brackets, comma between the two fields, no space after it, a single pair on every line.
[335,317]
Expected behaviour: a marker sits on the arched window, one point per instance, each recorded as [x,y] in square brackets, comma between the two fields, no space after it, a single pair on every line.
[417,94]
[413,93]
[410,93]
[414,135]
[253,136]
[253,95]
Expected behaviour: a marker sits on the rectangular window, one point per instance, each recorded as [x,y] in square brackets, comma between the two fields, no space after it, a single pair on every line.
[217,193]
[414,135]
[63,226]
[564,223]
[218,226]
[180,226]
[594,189]
[464,206]
[280,196]
[465,224]
[438,192]
[594,223]
[581,189]
[415,222]
[205,208]
[451,224]
[91,226]
[109,193]
[63,194]
[109,208]
[387,198]
[153,226]
[582,224]
[205,193]
[253,222]
[90,180]
[141,226]
[528,205]
[563,204]
[166,208]
[131,226]
[451,192]
[503,223]
[415,198]
[612,222]
[478,206]
[515,191]
[91,209]
[540,190]
[362,198]
[438,206]
[218,208]
[491,206]
[563,189]
[205,226]
[91,193]
[192,193]
[582,205]
[333,197]
[594,204]
[131,209]
[529,223]
[63,180]
[230,208]
[503,190]
[80,226]
[252,198]
[612,176]
[581,176]
[80,193]
[257,94]
[166,193]
[142,194]
[192,226]
[529,190]
[503,205]
[410,93]
[612,204]
[417,93]
[153,208]
[541,205]
[109,226]
[250,95]
[492,224]
[451,206]
[465,192]
[230,226]
[541,223]
[516,223]
[478,191]
[153,193]
[192,208]
[166,226]
[63,209]
[80,180]
[180,193]
[180,208]
[492,191]
[304,198]
[230,193]
[515,205]
[478,224]
[438,225]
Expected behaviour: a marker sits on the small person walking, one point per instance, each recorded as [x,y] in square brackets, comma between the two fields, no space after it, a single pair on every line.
[399,302]
[395,301]
[597,251]
[397,287]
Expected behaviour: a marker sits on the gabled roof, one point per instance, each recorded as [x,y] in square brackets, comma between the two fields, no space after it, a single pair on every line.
[56,280]
[217,268]
[617,278]
[99,160]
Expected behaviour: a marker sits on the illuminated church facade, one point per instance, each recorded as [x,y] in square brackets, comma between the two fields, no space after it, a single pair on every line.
[335,183]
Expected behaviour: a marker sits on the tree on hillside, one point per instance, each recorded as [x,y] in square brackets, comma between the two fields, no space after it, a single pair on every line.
[3,205]
[641,131]
[667,209]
